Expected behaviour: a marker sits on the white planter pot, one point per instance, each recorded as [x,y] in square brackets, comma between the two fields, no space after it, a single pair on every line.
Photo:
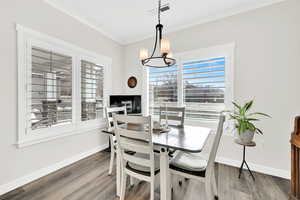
[246,136]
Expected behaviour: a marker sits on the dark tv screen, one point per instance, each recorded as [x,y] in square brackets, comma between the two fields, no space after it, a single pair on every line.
[133,103]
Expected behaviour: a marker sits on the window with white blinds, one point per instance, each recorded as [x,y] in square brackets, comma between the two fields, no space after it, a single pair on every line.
[162,88]
[51,89]
[204,88]
[201,81]
[91,91]
[60,88]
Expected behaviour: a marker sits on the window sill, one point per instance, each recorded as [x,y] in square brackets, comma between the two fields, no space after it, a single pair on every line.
[36,139]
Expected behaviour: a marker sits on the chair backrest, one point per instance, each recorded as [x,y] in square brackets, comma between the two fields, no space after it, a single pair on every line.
[134,133]
[109,111]
[173,114]
[216,142]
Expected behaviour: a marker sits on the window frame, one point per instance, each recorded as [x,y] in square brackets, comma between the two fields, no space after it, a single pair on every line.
[98,61]
[227,51]
[28,38]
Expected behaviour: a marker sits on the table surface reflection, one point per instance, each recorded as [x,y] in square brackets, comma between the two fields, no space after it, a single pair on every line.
[187,138]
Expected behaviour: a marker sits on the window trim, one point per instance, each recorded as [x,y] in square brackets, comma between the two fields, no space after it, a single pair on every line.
[227,51]
[26,38]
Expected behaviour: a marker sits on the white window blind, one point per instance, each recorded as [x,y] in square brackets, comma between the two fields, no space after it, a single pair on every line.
[91,91]
[197,84]
[51,89]
[162,88]
[60,88]
[204,88]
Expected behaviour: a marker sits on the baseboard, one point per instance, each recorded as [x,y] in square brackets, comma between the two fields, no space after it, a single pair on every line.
[257,168]
[47,170]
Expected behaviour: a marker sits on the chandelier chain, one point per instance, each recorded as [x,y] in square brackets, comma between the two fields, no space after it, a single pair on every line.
[159,6]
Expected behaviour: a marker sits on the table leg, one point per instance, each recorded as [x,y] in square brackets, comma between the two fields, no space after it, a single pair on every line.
[165,189]
[118,173]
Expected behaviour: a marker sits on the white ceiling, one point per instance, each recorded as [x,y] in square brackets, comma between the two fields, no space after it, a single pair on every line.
[127,21]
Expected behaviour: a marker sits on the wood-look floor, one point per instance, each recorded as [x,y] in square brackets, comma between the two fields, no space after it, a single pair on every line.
[88,180]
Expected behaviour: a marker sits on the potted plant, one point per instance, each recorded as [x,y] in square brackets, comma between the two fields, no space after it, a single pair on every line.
[244,121]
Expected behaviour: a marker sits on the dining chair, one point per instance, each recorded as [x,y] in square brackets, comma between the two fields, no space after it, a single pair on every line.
[144,164]
[113,143]
[175,114]
[195,166]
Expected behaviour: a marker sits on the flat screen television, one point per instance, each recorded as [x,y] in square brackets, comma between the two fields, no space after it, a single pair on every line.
[133,103]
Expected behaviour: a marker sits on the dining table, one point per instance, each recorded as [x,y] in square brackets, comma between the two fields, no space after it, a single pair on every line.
[187,138]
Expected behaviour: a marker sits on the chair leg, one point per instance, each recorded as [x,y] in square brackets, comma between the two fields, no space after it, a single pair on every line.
[208,190]
[111,163]
[157,181]
[123,185]
[180,182]
[152,190]
[171,182]
[132,181]
[214,184]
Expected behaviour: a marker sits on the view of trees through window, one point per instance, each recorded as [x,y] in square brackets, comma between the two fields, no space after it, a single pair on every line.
[199,85]
[162,88]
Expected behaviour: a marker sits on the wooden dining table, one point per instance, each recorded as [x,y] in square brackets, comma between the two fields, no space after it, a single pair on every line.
[188,138]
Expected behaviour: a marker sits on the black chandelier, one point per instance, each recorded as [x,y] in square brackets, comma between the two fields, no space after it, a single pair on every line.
[160,59]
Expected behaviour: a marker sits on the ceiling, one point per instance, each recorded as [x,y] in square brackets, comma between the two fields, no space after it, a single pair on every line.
[128,21]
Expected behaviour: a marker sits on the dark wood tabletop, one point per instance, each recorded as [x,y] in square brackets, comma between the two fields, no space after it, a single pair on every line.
[188,138]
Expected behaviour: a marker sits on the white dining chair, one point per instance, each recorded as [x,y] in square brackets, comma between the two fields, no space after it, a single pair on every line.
[144,164]
[109,122]
[174,114]
[195,166]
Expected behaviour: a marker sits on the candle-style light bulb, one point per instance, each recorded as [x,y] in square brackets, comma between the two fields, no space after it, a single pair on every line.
[164,46]
[143,54]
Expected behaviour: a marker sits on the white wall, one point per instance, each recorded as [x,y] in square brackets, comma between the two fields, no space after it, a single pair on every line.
[266,68]
[37,15]
[268,45]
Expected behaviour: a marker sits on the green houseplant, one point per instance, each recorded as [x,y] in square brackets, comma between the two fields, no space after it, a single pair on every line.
[244,121]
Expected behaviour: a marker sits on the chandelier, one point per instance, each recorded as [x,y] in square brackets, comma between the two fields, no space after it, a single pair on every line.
[162,57]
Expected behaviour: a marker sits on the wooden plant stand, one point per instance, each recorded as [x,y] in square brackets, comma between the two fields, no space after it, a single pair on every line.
[244,162]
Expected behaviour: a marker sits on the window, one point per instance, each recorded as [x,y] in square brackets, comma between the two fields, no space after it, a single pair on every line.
[204,88]
[91,91]
[201,81]
[51,89]
[162,88]
[61,88]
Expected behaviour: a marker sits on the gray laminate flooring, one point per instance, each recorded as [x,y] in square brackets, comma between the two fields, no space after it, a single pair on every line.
[88,179]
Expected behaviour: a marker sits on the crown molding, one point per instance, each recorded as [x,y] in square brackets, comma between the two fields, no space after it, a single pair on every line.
[200,21]
[85,22]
